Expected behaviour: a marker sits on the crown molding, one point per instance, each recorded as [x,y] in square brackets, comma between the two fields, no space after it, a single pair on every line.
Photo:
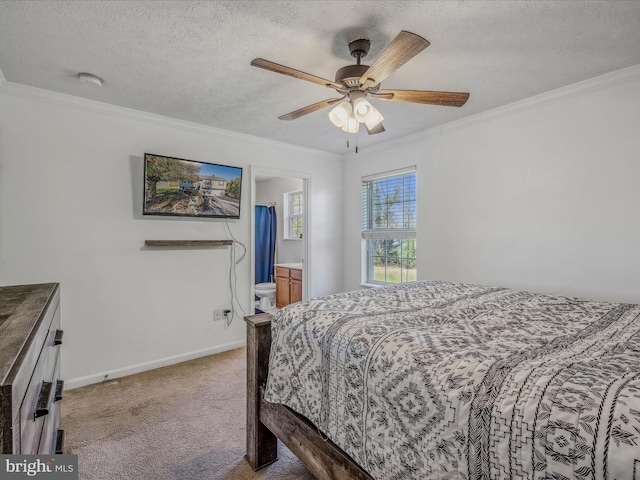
[94,106]
[584,87]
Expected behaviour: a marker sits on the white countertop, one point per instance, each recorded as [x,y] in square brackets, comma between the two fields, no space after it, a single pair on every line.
[296,266]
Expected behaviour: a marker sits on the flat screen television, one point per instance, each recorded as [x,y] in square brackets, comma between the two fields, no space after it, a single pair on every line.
[188,188]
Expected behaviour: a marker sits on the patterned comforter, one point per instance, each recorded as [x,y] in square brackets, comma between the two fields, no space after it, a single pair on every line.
[435,380]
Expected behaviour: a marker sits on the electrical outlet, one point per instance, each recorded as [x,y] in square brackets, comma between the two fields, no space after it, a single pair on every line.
[218,315]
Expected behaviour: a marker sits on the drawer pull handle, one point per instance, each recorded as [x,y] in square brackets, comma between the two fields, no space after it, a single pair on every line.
[59,390]
[42,407]
[58,339]
[60,442]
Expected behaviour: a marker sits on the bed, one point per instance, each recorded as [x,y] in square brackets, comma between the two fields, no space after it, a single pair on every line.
[441,380]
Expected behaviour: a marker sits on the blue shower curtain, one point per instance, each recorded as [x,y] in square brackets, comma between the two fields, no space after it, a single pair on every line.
[265,243]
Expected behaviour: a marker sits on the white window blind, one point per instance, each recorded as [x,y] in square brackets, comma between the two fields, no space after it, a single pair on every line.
[389,209]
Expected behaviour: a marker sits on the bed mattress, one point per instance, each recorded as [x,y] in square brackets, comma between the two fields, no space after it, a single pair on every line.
[438,380]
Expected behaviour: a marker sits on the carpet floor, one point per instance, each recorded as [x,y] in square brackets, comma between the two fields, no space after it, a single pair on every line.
[182,422]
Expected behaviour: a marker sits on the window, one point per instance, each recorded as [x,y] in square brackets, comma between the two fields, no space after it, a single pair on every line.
[389,226]
[293,214]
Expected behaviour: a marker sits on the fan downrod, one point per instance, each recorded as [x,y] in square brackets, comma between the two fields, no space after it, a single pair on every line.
[350,75]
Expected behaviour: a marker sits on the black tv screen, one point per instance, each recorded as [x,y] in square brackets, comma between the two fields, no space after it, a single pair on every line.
[188,188]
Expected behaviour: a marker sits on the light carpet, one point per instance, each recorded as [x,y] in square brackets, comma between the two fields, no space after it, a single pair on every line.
[182,422]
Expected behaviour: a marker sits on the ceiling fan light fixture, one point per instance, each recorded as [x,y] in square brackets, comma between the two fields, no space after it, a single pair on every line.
[362,109]
[374,118]
[340,114]
[351,125]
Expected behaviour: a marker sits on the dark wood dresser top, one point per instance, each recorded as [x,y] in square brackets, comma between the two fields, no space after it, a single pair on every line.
[21,307]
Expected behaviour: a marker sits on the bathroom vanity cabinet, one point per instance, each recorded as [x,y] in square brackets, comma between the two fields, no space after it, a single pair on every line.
[288,285]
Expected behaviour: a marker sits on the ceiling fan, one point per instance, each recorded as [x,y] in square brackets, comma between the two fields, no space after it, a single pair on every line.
[356,82]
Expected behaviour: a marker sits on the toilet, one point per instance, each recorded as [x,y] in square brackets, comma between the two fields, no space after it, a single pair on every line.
[266,292]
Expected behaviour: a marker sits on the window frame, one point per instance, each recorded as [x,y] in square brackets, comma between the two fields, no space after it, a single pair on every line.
[289,217]
[402,236]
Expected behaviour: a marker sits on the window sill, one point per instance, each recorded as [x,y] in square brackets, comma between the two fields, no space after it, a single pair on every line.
[373,285]
[292,239]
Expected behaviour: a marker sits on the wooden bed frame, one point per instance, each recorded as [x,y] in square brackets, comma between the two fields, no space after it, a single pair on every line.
[268,422]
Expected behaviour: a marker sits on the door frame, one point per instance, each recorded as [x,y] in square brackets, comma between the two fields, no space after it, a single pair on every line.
[306,230]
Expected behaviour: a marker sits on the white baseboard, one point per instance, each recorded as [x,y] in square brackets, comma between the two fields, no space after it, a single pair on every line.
[143,367]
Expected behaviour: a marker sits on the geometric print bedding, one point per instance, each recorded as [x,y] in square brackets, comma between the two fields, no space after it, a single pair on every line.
[439,380]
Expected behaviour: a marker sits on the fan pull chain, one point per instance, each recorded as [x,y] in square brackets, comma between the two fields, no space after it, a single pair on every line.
[356,143]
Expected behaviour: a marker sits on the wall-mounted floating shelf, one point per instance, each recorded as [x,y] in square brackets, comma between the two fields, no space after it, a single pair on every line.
[186,243]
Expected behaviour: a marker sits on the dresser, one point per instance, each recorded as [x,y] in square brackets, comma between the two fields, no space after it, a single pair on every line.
[30,387]
[288,285]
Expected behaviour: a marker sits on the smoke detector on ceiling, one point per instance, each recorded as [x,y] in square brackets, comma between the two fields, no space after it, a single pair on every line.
[90,78]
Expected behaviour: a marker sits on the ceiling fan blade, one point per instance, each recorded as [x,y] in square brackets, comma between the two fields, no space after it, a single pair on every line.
[447,99]
[377,129]
[309,109]
[401,49]
[292,72]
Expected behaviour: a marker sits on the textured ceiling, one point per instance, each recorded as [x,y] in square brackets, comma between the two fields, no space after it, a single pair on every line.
[190,59]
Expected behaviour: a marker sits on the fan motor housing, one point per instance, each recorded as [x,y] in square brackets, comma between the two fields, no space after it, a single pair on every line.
[350,75]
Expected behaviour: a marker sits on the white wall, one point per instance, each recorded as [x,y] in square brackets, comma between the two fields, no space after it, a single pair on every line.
[543,195]
[70,212]
[273,190]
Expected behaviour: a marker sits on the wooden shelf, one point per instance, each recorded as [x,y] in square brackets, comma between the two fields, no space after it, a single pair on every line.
[186,243]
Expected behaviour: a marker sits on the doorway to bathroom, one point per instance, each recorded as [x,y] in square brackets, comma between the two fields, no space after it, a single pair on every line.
[280,202]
